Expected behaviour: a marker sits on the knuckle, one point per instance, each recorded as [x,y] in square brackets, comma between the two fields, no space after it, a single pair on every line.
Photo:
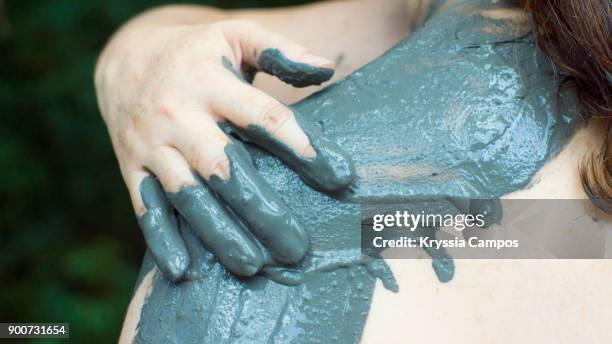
[171,168]
[154,104]
[138,137]
[127,146]
[163,106]
[162,153]
[207,156]
[194,156]
[138,123]
[273,116]
[219,165]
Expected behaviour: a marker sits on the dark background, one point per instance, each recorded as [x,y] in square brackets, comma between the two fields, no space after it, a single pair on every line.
[70,248]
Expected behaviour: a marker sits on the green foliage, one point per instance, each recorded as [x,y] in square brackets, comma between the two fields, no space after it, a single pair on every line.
[70,248]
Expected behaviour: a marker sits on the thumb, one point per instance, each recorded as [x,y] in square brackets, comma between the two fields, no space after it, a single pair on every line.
[275,55]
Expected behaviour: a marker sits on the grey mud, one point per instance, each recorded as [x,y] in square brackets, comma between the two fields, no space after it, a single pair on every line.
[242,220]
[456,111]
[272,61]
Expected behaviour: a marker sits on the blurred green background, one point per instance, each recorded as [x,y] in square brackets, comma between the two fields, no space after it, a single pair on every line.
[70,248]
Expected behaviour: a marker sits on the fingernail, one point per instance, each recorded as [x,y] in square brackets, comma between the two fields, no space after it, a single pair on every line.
[316,61]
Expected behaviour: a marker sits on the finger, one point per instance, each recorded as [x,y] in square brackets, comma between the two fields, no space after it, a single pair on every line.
[201,143]
[265,121]
[159,226]
[231,244]
[201,258]
[234,248]
[244,190]
[276,55]
[170,168]
[248,194]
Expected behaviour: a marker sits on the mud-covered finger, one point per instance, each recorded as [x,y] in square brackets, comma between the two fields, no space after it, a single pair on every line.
[160,229]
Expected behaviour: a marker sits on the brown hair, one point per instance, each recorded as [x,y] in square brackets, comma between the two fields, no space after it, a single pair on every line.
[577,35]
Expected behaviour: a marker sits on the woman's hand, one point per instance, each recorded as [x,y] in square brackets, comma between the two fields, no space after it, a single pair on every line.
[164,90]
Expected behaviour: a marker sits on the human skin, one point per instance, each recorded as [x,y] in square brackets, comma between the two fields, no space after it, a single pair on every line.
[542,297]
[164,90]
